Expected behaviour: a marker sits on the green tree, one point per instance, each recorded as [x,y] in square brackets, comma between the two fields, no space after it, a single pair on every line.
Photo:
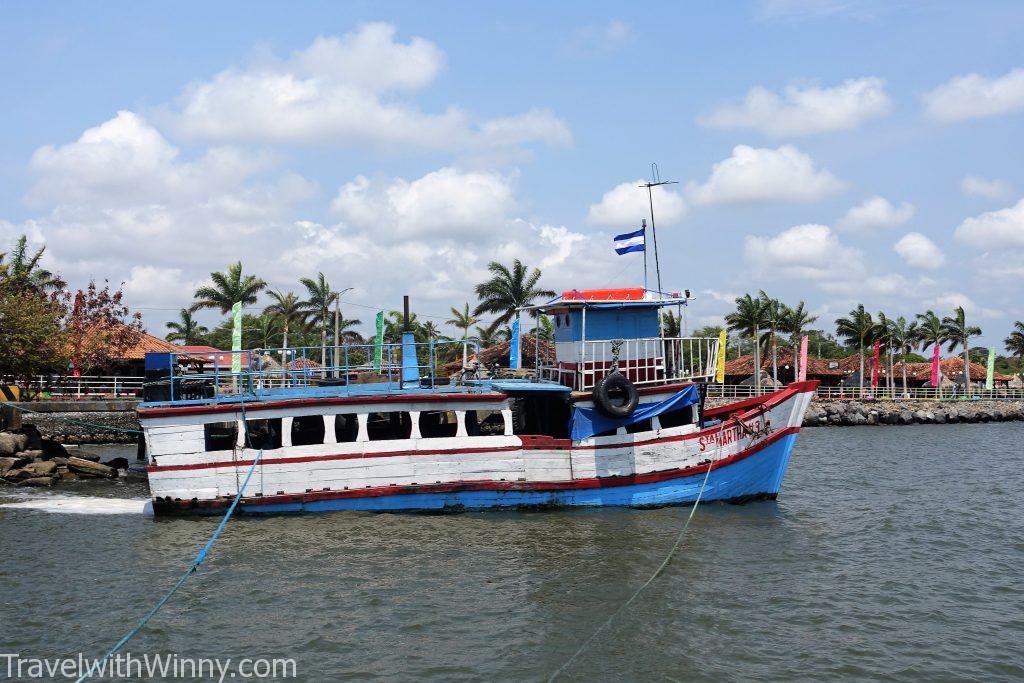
[544,329]
[747,320]
[186,330]
[672,325]
[20,270]
[345,331]
[903,337]
[462,320]
[317,306]
[32,336]
[774,320]
[487,337]
[795,322]
[229,288]
[508,290]
[956,331]
[857,329]
[286,309]
[1015,341]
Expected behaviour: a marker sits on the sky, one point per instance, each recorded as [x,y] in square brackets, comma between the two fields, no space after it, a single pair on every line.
[832,151]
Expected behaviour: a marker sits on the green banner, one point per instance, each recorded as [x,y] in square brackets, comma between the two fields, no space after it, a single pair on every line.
[236,338]
[991,367]
[378,342]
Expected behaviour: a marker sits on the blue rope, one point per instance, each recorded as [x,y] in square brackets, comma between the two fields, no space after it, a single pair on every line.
[191,570]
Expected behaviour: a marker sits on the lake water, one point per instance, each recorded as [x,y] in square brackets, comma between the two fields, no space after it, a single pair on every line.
[891,553]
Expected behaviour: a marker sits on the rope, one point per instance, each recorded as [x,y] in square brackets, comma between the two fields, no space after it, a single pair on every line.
[71,419]
[657,572]
[188,572]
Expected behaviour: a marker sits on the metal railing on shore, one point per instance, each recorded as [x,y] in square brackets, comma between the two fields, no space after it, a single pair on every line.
[84,386]
[876,394]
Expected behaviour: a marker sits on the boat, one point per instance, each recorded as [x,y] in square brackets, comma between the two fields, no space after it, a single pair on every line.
[614,416]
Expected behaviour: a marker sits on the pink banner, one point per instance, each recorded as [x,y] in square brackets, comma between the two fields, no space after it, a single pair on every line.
[874,365]
[803,359]
[935,365]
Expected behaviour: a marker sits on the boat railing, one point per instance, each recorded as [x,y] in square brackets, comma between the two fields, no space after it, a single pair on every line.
[209,377]
[653,360]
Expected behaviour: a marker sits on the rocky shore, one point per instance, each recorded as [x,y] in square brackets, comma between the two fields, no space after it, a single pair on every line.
[28,459]
[853,413]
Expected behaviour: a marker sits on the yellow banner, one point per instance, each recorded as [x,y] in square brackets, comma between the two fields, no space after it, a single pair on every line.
[720,375]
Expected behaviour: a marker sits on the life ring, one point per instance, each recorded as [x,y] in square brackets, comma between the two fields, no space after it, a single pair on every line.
[616,396]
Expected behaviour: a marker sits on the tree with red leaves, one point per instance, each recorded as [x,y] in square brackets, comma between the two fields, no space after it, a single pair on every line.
[101,329]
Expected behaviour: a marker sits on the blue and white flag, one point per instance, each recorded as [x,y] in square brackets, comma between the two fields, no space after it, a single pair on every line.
[630,241]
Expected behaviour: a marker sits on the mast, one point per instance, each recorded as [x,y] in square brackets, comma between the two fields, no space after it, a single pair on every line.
[655,182]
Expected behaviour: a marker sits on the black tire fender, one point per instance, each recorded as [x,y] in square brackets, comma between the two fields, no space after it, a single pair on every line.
[616,382]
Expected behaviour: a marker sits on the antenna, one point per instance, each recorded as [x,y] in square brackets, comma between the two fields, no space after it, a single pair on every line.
[655,182]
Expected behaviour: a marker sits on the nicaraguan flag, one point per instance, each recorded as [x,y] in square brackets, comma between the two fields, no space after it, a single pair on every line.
[630,241]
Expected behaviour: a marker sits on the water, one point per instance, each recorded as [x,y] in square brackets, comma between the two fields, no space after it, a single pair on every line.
[892,553]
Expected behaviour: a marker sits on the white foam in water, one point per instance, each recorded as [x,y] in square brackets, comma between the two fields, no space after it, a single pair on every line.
[85,505]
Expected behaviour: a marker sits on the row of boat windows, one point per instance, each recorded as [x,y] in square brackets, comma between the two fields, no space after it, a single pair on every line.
[311,429]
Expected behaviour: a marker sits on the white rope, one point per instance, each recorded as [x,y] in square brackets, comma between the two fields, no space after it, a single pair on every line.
[657,572]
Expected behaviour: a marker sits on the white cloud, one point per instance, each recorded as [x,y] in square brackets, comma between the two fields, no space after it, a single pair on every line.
[600,40]
[764,175]
[356,88]
[875,212]
[804,110]
[919,251]
[627,203]
[808,251]
[973,186]
[445,203]
[995,229]
[975,96]
[951,300]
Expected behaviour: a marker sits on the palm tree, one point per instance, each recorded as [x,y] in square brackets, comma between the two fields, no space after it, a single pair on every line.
[955,330]
[509,290]
[748,319]
[186,330]
[463,320]
[929,330]
[903,337]
[228,289]
[430,331]
[796,322]
[266,328]
[883,335]
[345,331]
[1015,342]
[671,325]
[487,336]
[318,307]
[857,329]
[544,329]
[22,271]
[287,311]
[774,320]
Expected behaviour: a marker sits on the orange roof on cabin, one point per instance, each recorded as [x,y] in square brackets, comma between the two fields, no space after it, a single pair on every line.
[615,294]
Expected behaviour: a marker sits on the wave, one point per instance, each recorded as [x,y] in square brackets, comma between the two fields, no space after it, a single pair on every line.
[84,505]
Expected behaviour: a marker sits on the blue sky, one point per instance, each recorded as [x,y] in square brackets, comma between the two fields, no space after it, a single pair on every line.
[834,151]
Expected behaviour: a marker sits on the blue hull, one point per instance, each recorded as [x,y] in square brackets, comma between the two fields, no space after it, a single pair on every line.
[756,476]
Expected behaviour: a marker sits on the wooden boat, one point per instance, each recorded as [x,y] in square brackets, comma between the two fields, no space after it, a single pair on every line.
[617,418]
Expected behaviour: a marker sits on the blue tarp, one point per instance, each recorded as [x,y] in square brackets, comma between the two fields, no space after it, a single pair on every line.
[586,422]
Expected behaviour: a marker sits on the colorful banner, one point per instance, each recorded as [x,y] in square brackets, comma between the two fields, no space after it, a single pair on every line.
[236,337]
[874,364]
[803,358]
[513,350]
[990,375]
[720,370]
[935,365]
[378,342]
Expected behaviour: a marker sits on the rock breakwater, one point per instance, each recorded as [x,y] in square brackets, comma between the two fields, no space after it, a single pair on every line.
[854,413]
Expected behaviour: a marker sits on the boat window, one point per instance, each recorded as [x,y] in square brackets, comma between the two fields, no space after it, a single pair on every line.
[485,423]
[676,418]
[220,436]
[641,426]
[264,434]
[346,428]
[541,416]
[435,424]
[307,430]
[388,426]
